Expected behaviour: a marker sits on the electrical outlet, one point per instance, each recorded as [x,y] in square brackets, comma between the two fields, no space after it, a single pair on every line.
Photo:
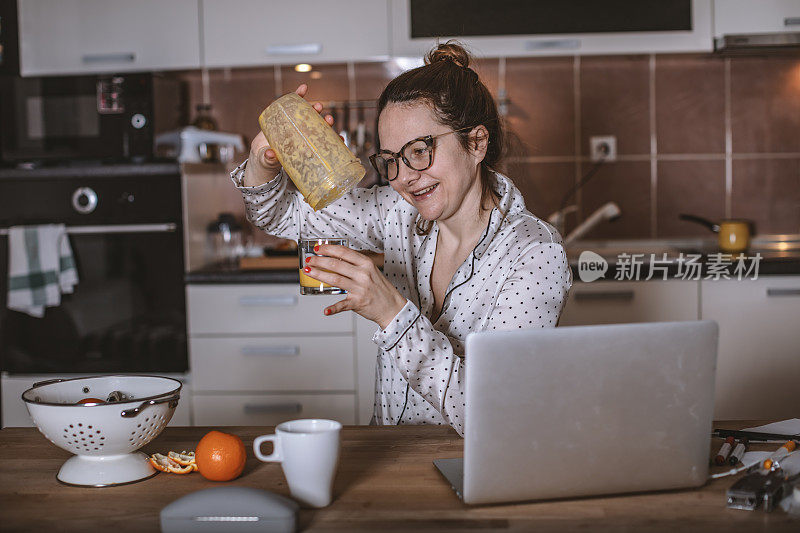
[603,147]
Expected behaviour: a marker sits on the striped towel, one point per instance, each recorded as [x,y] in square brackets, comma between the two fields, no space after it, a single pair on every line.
[40,268]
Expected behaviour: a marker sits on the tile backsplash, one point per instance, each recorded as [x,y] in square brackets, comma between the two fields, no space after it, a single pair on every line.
[702,134]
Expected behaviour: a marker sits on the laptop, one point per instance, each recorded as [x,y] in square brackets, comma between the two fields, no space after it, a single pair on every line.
[586,410]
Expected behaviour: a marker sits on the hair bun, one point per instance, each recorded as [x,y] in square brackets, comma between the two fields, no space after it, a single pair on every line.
[449,51]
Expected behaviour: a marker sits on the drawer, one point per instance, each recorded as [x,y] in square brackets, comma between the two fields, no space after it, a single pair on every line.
[255,309]
[272,363]
[270,409]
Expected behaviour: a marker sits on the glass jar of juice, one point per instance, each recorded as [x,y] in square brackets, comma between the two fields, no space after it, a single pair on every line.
[311,152]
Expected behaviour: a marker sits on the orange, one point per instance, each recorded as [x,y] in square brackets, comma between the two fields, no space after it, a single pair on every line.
[220,456]
[91,401]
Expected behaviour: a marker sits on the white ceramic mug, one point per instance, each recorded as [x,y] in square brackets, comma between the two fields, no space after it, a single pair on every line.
[308,451]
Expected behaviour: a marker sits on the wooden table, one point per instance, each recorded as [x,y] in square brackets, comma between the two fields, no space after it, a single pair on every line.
[386,482]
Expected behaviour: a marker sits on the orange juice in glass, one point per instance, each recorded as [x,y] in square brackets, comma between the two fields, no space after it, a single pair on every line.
[309,285]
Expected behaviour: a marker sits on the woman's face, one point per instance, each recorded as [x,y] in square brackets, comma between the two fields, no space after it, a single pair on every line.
[451,181]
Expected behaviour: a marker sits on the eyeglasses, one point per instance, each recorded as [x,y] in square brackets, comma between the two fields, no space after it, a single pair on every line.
[417,154]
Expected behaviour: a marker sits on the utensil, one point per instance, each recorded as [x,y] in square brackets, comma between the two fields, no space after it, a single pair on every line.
[361,131]
[345,131]
[104,437]
[308,451]
[733,234]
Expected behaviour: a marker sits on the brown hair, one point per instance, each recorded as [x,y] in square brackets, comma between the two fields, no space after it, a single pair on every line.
[458,99]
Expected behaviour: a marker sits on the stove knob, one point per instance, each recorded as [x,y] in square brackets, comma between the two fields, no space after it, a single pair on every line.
[84,200]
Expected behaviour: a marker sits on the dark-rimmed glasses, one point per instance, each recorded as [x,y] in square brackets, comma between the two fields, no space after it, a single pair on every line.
[417,154]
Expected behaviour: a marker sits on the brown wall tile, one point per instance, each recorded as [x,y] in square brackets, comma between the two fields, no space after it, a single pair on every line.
[543,185]
[693,187]
[332,83]
[690,104]
[239,96]
[627,184]
[541,113]
[768,192]
[765,104]
[615,100]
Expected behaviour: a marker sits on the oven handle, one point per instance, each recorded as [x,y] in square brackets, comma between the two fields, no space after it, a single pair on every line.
[116,228]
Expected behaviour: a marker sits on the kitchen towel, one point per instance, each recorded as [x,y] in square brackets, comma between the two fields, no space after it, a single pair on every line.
[40,268]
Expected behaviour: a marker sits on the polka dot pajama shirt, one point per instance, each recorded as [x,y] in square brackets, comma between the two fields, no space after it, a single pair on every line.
[517,277]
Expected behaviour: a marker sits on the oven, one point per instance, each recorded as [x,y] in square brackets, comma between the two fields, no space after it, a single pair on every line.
[127,312]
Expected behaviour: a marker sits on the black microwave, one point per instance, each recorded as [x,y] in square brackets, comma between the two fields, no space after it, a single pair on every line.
[67,118]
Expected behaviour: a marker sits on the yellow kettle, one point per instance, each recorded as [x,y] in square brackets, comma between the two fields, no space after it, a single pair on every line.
[733,234]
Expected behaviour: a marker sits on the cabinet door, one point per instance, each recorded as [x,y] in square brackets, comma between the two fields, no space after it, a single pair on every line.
[764,16]
[758,366]
[270,409]
[85,36]
[277,363]
[261,309]
[619,302]
[261,32]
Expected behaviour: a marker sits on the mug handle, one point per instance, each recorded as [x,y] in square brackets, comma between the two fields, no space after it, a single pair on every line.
[276,456]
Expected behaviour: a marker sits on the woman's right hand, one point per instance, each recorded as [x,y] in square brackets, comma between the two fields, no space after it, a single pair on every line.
[263,164]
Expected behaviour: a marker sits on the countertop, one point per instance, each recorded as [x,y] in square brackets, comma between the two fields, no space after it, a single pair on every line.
[779,255]
[90,170]
[386,482]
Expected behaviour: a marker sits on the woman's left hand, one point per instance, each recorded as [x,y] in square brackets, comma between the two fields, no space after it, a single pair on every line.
[369,293]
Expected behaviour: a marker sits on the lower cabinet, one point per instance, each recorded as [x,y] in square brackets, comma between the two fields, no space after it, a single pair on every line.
[620,302]
[758,366]
[262,354]
[271,409]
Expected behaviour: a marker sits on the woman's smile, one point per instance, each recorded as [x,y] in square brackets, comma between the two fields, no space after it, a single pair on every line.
[424,194]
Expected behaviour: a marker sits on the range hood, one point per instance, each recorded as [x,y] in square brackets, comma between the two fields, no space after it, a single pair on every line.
[758,43]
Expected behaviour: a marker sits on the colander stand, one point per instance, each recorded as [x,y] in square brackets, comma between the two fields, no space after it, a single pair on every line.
[113,470]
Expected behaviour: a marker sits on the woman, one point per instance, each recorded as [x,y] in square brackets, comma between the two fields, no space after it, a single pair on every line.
[462,253]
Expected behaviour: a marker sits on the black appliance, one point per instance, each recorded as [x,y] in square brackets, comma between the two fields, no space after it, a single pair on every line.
[128,311]
[9,38]
[103,117]
[523,17]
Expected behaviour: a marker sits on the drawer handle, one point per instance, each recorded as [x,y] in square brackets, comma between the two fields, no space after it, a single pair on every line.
[267,301]
[270,350]
[791,21]
[783,292]
[263,408]
[606,295]
[128,57]
[291,49]
[553,44]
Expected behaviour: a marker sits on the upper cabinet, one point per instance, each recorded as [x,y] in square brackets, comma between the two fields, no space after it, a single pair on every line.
[93,36]
[264,32]
[732,17]
[520,28]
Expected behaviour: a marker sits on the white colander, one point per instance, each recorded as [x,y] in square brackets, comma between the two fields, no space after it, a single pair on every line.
[105,436]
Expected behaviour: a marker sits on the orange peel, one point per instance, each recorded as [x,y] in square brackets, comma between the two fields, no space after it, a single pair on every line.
[173,462]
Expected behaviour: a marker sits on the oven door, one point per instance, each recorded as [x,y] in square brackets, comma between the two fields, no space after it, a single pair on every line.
[126,314]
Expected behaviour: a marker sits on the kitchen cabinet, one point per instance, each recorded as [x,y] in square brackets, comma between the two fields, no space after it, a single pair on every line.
[259,32]
[758,366]
[262,354]
[733,17]
[95,36]
[618,302]
[502,32]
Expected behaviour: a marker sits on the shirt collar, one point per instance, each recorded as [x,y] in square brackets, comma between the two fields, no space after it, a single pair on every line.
[510,203]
